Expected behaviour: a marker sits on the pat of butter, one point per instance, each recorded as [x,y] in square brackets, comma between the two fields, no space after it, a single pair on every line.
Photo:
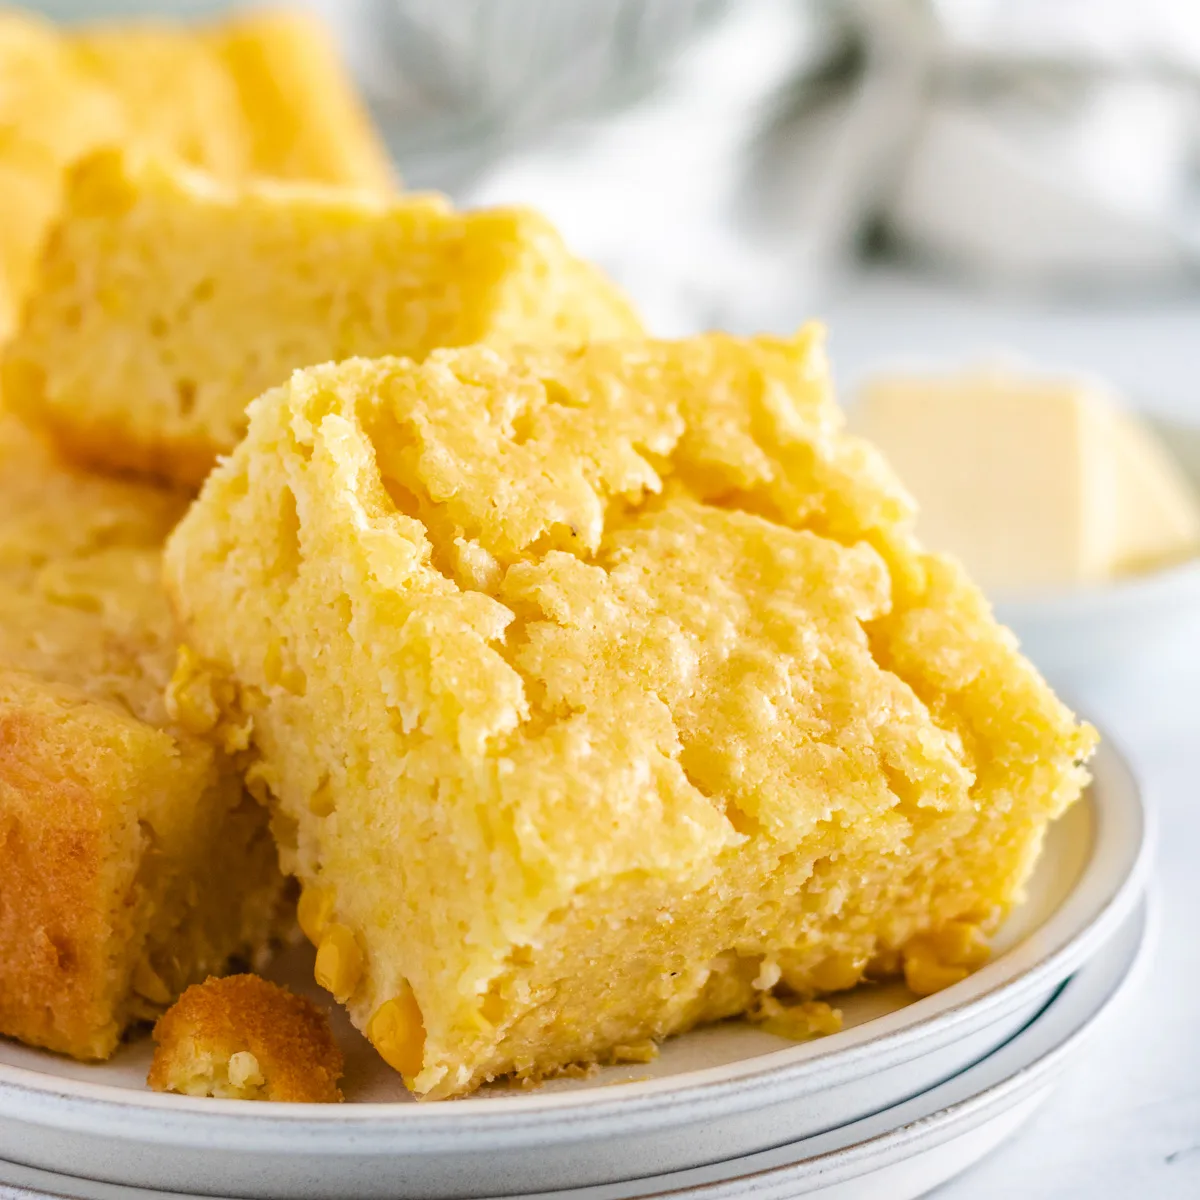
[1033,483]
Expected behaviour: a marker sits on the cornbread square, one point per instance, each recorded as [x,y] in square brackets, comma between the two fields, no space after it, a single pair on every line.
[602,692]
[243,1038]
[49,116]
[132,860]
[166,303]
[260,94]
[256,94]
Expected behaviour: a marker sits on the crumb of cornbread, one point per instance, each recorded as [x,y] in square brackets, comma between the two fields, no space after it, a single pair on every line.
[256,95]
[166,303]
[600,691]
[242,1038]
[132,862]
[797,1022]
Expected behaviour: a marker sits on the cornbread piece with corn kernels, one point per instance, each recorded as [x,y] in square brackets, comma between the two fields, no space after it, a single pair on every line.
[242,1038]
[256,95]
[132,861]
[167,303]
[602,691]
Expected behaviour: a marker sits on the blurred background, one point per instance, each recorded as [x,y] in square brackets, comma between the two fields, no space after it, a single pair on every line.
[744,163]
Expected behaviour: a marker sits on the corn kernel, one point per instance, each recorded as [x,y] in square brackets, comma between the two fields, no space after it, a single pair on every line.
[277,670]
[397,1031]
[244,1070]
[314,910]
[339,964]
[492,1007]
[321,802]
[190,698]
[961,944]
[838,972]
[925,976]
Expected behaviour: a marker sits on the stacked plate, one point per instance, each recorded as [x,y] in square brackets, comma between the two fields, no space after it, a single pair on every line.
[908,1095]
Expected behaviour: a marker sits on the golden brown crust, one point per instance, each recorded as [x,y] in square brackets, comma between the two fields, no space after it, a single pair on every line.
[68,861]
[132,862]
[293,1047]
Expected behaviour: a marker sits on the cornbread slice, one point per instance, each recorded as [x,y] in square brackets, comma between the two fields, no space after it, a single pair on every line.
[261,94]
[132,861]
[167,303]
[49,116]
[258,94]
[602,692]
[242,1038]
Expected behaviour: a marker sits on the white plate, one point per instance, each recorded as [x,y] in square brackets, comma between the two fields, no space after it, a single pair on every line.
[915,1146]
[901,1152]
[714,1095]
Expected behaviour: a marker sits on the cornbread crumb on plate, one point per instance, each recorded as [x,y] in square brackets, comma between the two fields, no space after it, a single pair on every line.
[132,860]
[260,94]
[599,692]
[242,1038]
[166,303]
[797,1022]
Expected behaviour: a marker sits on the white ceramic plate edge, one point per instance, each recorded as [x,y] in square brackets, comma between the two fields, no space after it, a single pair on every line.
[989,1100]
[1030,1062]
[1104,896]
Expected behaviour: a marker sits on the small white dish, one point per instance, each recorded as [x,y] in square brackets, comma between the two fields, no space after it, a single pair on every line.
[901,1152]
[1096,629]
[714,1095]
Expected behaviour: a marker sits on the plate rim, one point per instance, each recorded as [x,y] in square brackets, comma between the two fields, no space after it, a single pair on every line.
[961,1115]
[921,1128]
[1106,892]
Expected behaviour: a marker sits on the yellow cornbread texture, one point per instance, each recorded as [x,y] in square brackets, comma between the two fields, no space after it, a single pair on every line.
[132,862]
[166,303]
[261,94]
[601,692]
[242,1038]
[257,94]
[49,116]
